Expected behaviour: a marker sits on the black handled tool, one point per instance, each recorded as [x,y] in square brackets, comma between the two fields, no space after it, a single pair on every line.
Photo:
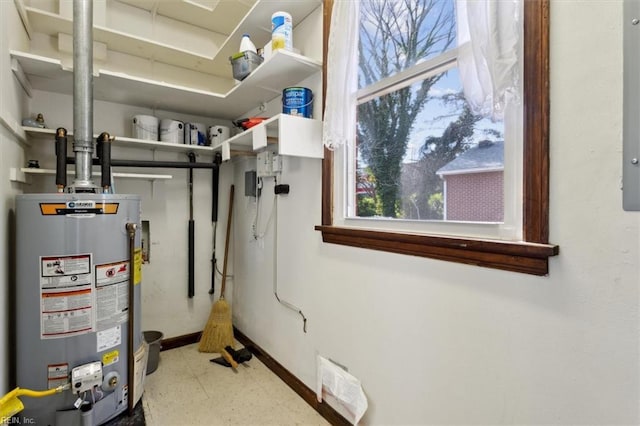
[215,180]
[192,230]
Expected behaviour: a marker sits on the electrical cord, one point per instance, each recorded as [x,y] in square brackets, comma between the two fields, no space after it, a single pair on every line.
[254,227]
[260,235]
[10,405]
[275,266]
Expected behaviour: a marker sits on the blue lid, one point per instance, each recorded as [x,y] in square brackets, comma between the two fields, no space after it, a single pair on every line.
[245,35]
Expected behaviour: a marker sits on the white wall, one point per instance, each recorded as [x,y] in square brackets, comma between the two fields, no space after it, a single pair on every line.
[432,342]
[442,343]
[12,108]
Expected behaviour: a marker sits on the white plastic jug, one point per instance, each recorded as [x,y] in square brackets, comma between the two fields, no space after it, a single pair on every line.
[247,44]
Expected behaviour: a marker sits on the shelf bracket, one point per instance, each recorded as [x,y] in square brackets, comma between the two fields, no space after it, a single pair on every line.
[17,175]
[226,151]
[21,76]
[259,137]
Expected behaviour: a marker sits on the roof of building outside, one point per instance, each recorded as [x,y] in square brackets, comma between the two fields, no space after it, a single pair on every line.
[486,155]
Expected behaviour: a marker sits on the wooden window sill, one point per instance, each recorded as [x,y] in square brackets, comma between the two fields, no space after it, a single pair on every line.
[515,256]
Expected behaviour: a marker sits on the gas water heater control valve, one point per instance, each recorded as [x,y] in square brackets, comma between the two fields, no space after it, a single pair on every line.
[85,377]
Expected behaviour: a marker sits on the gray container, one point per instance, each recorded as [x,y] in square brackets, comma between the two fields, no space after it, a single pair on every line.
[244,63]
[153,339]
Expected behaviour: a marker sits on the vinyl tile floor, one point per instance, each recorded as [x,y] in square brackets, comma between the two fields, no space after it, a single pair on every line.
[187,389]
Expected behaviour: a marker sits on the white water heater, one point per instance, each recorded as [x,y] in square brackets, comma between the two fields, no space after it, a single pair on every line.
[72,305]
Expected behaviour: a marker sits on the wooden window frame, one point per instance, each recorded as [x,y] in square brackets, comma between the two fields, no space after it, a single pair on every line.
[529,256]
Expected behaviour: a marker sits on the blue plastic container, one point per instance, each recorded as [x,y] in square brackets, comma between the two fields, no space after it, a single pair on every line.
[297,101]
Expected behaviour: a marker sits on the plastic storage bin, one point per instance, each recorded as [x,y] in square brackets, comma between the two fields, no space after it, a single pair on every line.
[244,63]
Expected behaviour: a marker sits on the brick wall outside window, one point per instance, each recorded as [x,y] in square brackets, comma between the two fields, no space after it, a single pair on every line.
[475,197]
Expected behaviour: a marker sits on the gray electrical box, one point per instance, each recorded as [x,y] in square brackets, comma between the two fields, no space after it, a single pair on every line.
[250,178]
[631,104]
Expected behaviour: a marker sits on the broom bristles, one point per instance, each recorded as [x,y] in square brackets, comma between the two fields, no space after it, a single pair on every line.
[218,332]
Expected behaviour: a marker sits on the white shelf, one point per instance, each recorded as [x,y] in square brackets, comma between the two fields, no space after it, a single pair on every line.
[192,94]
[18,175]
[259,18]
[295,136]
[53,24]
[201,13]
[282,70]
[128,142]
[256,22]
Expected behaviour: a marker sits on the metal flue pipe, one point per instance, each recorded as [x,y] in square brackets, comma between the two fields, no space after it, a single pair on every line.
[83,91]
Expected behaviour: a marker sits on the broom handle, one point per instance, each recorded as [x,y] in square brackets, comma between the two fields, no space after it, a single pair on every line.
[226,244]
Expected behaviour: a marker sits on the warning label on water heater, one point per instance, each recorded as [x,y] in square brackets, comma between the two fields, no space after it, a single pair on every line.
[57,375]
[112,294]
[66,296]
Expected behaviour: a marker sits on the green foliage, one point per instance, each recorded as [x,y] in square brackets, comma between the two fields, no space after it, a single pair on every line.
[367,207]
[436,204]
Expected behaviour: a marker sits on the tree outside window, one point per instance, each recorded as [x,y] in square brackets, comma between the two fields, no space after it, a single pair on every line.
[406,135]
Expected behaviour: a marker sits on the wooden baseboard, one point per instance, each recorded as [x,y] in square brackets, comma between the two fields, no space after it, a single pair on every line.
[176,342]
[329,414]
[324,409]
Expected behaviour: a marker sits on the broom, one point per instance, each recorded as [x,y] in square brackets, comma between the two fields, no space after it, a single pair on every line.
[218,332]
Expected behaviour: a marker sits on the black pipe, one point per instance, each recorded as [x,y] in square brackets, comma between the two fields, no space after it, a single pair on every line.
[215,181]
[192,231]
[104,153]
[61,158]
[158,164]
[105,159]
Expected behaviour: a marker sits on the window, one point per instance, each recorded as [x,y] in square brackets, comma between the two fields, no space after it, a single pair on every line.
[421,155]
[432,179]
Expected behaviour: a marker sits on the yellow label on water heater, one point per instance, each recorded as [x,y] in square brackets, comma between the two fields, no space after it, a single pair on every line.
[137,266]
[110,358]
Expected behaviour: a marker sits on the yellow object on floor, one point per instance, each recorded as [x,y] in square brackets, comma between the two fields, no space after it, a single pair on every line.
[10,405]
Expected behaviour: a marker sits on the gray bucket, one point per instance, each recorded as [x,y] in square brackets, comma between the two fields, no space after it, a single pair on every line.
[153,339]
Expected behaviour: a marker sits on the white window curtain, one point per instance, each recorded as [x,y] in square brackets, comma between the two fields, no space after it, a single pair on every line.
[488,38]
[342,75]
